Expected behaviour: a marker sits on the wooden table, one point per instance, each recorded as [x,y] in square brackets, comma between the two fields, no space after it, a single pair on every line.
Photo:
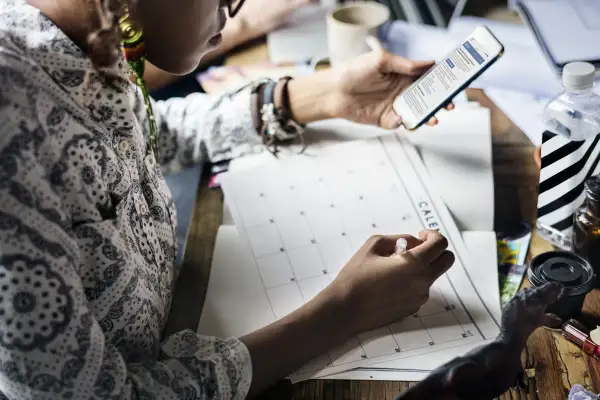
[558,363]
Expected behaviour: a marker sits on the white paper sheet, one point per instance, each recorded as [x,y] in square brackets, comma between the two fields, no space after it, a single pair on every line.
[388,372]
[524,110]
[481,245]
[390,174]
[458,156]
[483,268]
[230,306]
[235,291]
[366,374]
[508,33]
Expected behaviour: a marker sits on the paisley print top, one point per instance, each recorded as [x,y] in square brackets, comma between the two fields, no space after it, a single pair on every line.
[87,226]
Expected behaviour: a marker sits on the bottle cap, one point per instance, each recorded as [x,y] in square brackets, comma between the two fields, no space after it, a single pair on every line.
[573,272]
[592,187]
[578,76]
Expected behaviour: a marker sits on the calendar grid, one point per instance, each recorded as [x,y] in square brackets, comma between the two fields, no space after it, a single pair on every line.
[301,232]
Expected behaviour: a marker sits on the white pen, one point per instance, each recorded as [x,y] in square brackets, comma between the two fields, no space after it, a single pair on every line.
[401,245]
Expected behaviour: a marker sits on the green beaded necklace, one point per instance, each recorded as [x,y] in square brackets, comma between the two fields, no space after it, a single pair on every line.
[134,51]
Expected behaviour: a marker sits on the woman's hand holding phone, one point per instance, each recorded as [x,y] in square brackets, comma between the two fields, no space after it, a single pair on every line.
[366,87]
[422,100]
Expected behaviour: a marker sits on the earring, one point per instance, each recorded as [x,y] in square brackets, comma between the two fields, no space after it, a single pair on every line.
[134,51]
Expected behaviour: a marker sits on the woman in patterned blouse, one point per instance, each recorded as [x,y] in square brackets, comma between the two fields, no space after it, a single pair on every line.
[87,235]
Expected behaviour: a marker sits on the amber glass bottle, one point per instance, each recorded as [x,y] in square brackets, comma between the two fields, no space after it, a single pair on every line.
[586,229]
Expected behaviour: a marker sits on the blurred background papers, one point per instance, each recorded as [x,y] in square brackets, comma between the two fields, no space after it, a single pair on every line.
[303,38]
[566,30]
[522,67]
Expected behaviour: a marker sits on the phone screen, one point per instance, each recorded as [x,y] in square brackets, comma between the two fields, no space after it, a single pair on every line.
[446,78]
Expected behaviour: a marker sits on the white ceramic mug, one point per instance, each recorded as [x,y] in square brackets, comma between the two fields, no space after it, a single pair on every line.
[348,27]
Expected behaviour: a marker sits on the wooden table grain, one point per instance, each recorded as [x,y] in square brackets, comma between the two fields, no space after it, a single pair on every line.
[558,364]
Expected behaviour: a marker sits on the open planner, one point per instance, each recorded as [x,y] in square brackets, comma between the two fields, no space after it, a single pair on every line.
[300,222]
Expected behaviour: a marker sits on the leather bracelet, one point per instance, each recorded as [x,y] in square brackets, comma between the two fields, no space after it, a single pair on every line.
[271,113]
[288,129]
[266,130]
[281,99]
[268,93]
[256,104]
[262,93]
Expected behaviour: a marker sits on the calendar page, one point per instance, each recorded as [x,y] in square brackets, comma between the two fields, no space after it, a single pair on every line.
[303,218]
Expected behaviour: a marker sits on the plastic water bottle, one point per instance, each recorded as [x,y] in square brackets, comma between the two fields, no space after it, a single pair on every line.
[575,113]
[569,154]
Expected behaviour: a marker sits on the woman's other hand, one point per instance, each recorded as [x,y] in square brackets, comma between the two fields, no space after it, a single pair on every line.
[361,90]
[375,288]
[369,84]
[378,287]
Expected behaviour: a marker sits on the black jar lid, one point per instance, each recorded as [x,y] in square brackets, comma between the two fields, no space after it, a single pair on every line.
[568,269]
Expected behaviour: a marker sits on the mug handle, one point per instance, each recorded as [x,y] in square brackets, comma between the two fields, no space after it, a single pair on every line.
[315,61]
[372,41]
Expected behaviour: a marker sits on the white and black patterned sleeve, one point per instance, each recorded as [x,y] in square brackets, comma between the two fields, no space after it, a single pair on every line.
[201,128]
[68,283]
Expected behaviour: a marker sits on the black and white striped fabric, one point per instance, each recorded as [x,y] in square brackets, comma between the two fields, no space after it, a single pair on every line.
[565,167]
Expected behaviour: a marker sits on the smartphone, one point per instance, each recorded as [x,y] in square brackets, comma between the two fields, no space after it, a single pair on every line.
[432,91]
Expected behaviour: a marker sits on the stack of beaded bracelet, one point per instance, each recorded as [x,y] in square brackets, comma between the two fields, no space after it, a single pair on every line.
[271,113]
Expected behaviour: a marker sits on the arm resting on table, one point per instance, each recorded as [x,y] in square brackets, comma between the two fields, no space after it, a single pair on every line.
[283,347]
[200,127]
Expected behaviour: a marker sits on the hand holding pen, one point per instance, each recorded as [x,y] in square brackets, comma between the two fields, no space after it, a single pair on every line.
[389,278]
[401,246]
